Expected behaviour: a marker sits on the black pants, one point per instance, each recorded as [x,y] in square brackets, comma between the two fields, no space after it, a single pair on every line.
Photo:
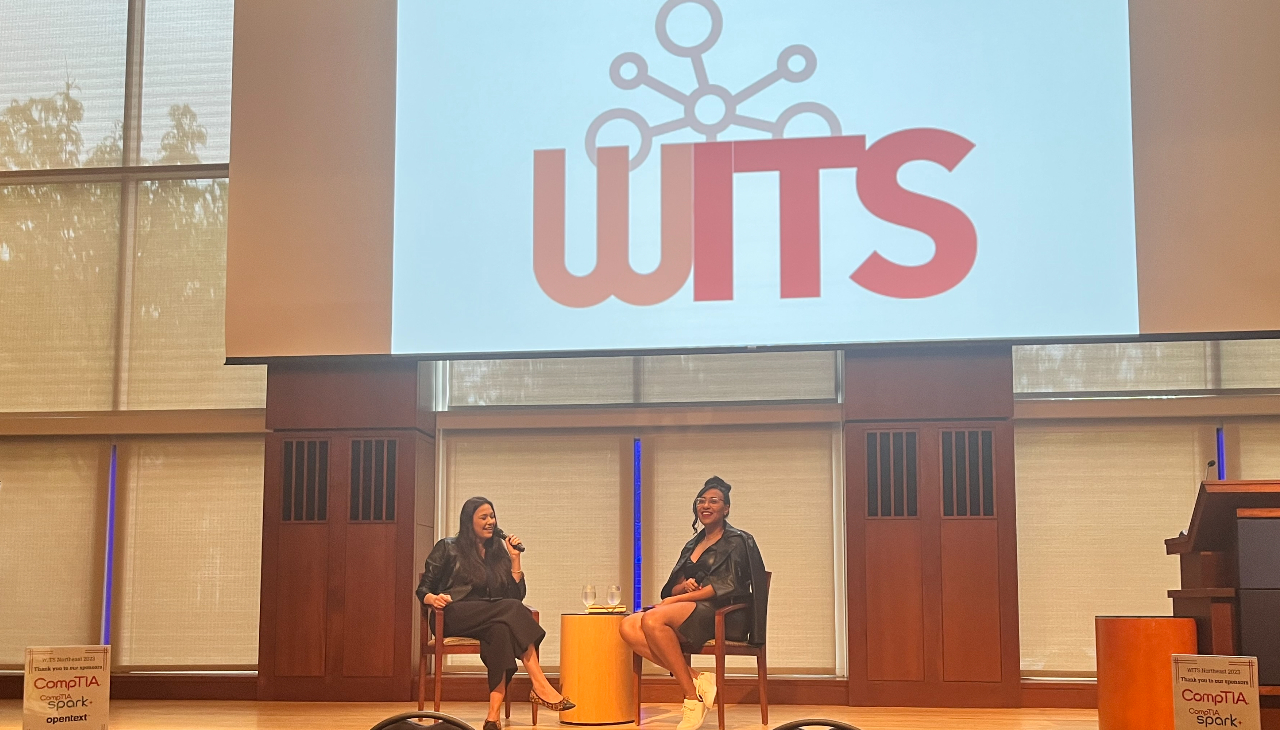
[505,629]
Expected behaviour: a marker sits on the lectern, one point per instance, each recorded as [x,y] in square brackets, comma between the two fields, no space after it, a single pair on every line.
[1230,556]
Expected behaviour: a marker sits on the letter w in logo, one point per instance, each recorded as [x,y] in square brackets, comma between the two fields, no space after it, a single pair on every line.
[613,275]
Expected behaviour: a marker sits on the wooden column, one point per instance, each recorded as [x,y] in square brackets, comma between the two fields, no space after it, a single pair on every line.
[349,461]
[932,563]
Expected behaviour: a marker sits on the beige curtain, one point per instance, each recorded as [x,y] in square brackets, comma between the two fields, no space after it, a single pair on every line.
[53,502]
[1095,503]
[567,495]
[176,347]
[738,377]
[1112,367]
[189,551]
[783,494]
[59,251]
[1259,449]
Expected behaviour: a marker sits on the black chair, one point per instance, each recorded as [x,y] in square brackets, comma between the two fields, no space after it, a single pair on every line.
[402,721]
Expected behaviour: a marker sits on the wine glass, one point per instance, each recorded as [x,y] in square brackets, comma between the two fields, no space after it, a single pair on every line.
[615,596]
[588,596]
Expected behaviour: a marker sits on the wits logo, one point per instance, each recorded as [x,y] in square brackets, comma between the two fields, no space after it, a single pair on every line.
[697,193]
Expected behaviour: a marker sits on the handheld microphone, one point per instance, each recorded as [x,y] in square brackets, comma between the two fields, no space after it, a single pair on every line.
[1212,463]
[503,537]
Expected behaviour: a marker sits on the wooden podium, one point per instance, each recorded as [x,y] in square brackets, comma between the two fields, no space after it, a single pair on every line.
[1230,559]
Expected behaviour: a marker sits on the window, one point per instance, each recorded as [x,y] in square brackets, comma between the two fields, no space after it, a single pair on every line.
[765,376]
[1095,504]
[113,189]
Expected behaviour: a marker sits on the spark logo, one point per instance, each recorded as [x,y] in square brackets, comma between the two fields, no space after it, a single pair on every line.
[697,193]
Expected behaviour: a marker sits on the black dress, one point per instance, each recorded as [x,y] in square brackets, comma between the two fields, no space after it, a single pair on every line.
[733,567]
[491,611]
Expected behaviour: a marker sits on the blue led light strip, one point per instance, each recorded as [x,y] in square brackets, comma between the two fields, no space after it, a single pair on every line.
[636,547]
[108,570]
[1222,455]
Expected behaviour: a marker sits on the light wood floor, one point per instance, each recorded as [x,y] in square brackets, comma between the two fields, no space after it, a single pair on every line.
[172,715]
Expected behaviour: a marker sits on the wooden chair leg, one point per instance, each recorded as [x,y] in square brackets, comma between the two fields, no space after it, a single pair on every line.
[720,684]
[437,668]
[422,682]
[507,696]
[762,672]
[637,667]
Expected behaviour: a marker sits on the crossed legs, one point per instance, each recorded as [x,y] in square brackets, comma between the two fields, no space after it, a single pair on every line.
[653,635]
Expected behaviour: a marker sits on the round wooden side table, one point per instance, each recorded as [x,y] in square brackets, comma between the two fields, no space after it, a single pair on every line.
[595,670]
[1135,669]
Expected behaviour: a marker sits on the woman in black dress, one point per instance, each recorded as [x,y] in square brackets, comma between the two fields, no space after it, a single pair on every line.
[475,578]
[719,567]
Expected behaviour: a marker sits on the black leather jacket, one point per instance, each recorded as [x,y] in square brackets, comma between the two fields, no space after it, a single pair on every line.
[440,575]
[737,577]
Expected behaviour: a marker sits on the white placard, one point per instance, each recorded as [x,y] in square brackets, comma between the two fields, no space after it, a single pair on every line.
[67,687]
[1215,691]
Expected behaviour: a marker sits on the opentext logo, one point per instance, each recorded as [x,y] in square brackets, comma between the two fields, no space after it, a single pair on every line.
[697,194]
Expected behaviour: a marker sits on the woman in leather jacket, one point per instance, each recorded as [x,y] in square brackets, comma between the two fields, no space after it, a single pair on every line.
[476,579]
[719,567]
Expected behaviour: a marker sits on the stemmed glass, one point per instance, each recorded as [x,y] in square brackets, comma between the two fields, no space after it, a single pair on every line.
[588,596]
[615,596]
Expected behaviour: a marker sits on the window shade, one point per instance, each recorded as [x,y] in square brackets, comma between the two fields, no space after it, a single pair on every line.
[52,537]
[738,377]
[1095,504]
[567,496]
[189,552]
[783,494]
[546,381]
[177,345]
[1111,367]
[1259,449]
[1250,363]
[72,46]
[59,249]
[187,77]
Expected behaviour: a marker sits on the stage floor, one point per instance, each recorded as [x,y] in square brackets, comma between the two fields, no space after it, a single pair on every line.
[202,715]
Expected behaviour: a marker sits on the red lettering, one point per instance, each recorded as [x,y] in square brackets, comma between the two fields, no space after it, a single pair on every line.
[713,221]
[953,234]
[798,163]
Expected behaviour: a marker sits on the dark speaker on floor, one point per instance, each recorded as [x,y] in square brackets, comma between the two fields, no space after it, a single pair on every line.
[1260,631]
[1259,552]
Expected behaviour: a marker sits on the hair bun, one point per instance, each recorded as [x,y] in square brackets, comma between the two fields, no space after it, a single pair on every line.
[718,483]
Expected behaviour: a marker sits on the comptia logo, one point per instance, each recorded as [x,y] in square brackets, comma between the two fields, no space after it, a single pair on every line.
[697,193]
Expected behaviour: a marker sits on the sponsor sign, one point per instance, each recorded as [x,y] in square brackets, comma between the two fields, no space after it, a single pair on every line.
[66,687]
[1215,691]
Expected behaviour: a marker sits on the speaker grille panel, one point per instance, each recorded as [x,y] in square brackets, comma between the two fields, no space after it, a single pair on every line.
[892,474]
[305,497]
[968,474]
[373,480]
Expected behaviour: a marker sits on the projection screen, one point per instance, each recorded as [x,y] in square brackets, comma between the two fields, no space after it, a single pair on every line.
[590,176]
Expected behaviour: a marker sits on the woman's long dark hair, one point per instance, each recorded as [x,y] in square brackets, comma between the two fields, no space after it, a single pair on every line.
[496,565]
[712,483]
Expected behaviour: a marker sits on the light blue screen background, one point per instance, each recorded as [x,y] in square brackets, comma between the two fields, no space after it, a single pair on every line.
[1041,88]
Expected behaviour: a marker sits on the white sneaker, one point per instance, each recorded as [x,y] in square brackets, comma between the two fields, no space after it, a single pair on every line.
[694,712]
[706,686]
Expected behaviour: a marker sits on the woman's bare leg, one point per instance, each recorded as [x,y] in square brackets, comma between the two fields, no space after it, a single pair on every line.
[659,624]
[633,634]
[540,683]
[495,702]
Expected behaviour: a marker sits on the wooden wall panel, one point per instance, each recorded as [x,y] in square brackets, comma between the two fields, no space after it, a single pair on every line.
[369,628]
[894,600]
[301,600]
[970,601]
[954,381]
[343,394]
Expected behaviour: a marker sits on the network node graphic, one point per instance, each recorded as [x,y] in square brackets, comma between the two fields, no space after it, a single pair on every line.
[630,71]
